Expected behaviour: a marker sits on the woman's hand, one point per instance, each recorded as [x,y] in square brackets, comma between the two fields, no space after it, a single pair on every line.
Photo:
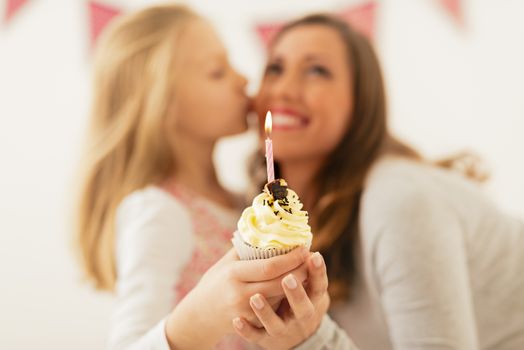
[297,319]
[205,314]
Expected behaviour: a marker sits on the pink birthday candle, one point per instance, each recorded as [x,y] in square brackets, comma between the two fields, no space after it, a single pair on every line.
[268,125]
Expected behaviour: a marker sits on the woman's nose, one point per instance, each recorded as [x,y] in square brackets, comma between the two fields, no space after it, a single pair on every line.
[286,87]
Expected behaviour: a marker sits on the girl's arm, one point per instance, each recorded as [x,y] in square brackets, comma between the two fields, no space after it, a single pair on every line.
[153,243]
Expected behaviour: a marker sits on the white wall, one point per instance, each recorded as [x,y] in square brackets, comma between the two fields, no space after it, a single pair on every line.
[449,89]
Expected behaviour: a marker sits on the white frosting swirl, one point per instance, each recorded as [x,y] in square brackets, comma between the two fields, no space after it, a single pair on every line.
[271,223]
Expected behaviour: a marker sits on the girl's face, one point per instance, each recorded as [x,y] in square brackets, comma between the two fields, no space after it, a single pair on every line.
[307,88]
[210,99]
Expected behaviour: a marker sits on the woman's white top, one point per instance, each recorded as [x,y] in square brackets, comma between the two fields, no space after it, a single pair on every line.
[439,266]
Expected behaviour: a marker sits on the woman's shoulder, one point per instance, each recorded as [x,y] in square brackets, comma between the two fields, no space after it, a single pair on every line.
[397,168]
[399,191]
[397,180]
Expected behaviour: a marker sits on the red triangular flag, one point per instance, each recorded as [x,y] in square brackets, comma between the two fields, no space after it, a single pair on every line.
[12,7]
[266,32]
[361,17]
[454,9]
[100,16]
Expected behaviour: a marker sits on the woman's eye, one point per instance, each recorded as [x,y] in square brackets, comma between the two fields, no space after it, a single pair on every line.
[273,68]
[319,70]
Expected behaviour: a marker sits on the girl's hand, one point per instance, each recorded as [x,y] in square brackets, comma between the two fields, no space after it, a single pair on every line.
[296,320]
[204,315]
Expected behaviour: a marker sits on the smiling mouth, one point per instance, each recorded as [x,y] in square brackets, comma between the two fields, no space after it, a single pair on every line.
[285,121]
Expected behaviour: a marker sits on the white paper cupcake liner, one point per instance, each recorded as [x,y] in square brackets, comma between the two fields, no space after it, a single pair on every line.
[247,252]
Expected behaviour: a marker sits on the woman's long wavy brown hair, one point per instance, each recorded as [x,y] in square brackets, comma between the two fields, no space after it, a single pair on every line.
[340,182]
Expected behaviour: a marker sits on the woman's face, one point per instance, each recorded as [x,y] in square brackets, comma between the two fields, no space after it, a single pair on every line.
[210,98]
[307,88]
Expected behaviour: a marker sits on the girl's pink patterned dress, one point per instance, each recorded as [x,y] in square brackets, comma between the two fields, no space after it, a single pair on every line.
[212,240]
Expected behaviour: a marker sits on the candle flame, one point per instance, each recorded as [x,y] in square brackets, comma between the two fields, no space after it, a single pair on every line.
[268,125]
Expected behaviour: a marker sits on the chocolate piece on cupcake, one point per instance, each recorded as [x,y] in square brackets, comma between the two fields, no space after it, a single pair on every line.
[273,225]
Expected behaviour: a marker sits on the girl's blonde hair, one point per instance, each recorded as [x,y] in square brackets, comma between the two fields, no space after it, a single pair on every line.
[128,141]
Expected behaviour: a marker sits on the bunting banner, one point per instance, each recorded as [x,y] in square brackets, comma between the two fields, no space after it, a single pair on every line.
[454,8]
[360,16]
[99,17]
[267,31]
[12,7]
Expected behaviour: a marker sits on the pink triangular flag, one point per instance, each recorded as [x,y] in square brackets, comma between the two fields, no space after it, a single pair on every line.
[12,7]
[361,17]
[100,15]
[454,9]
[267,31]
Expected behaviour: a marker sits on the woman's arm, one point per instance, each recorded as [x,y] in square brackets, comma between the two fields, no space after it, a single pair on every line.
[329,336]
[419,268]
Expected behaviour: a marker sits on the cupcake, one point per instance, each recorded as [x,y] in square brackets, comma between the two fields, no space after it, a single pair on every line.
[273,225]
